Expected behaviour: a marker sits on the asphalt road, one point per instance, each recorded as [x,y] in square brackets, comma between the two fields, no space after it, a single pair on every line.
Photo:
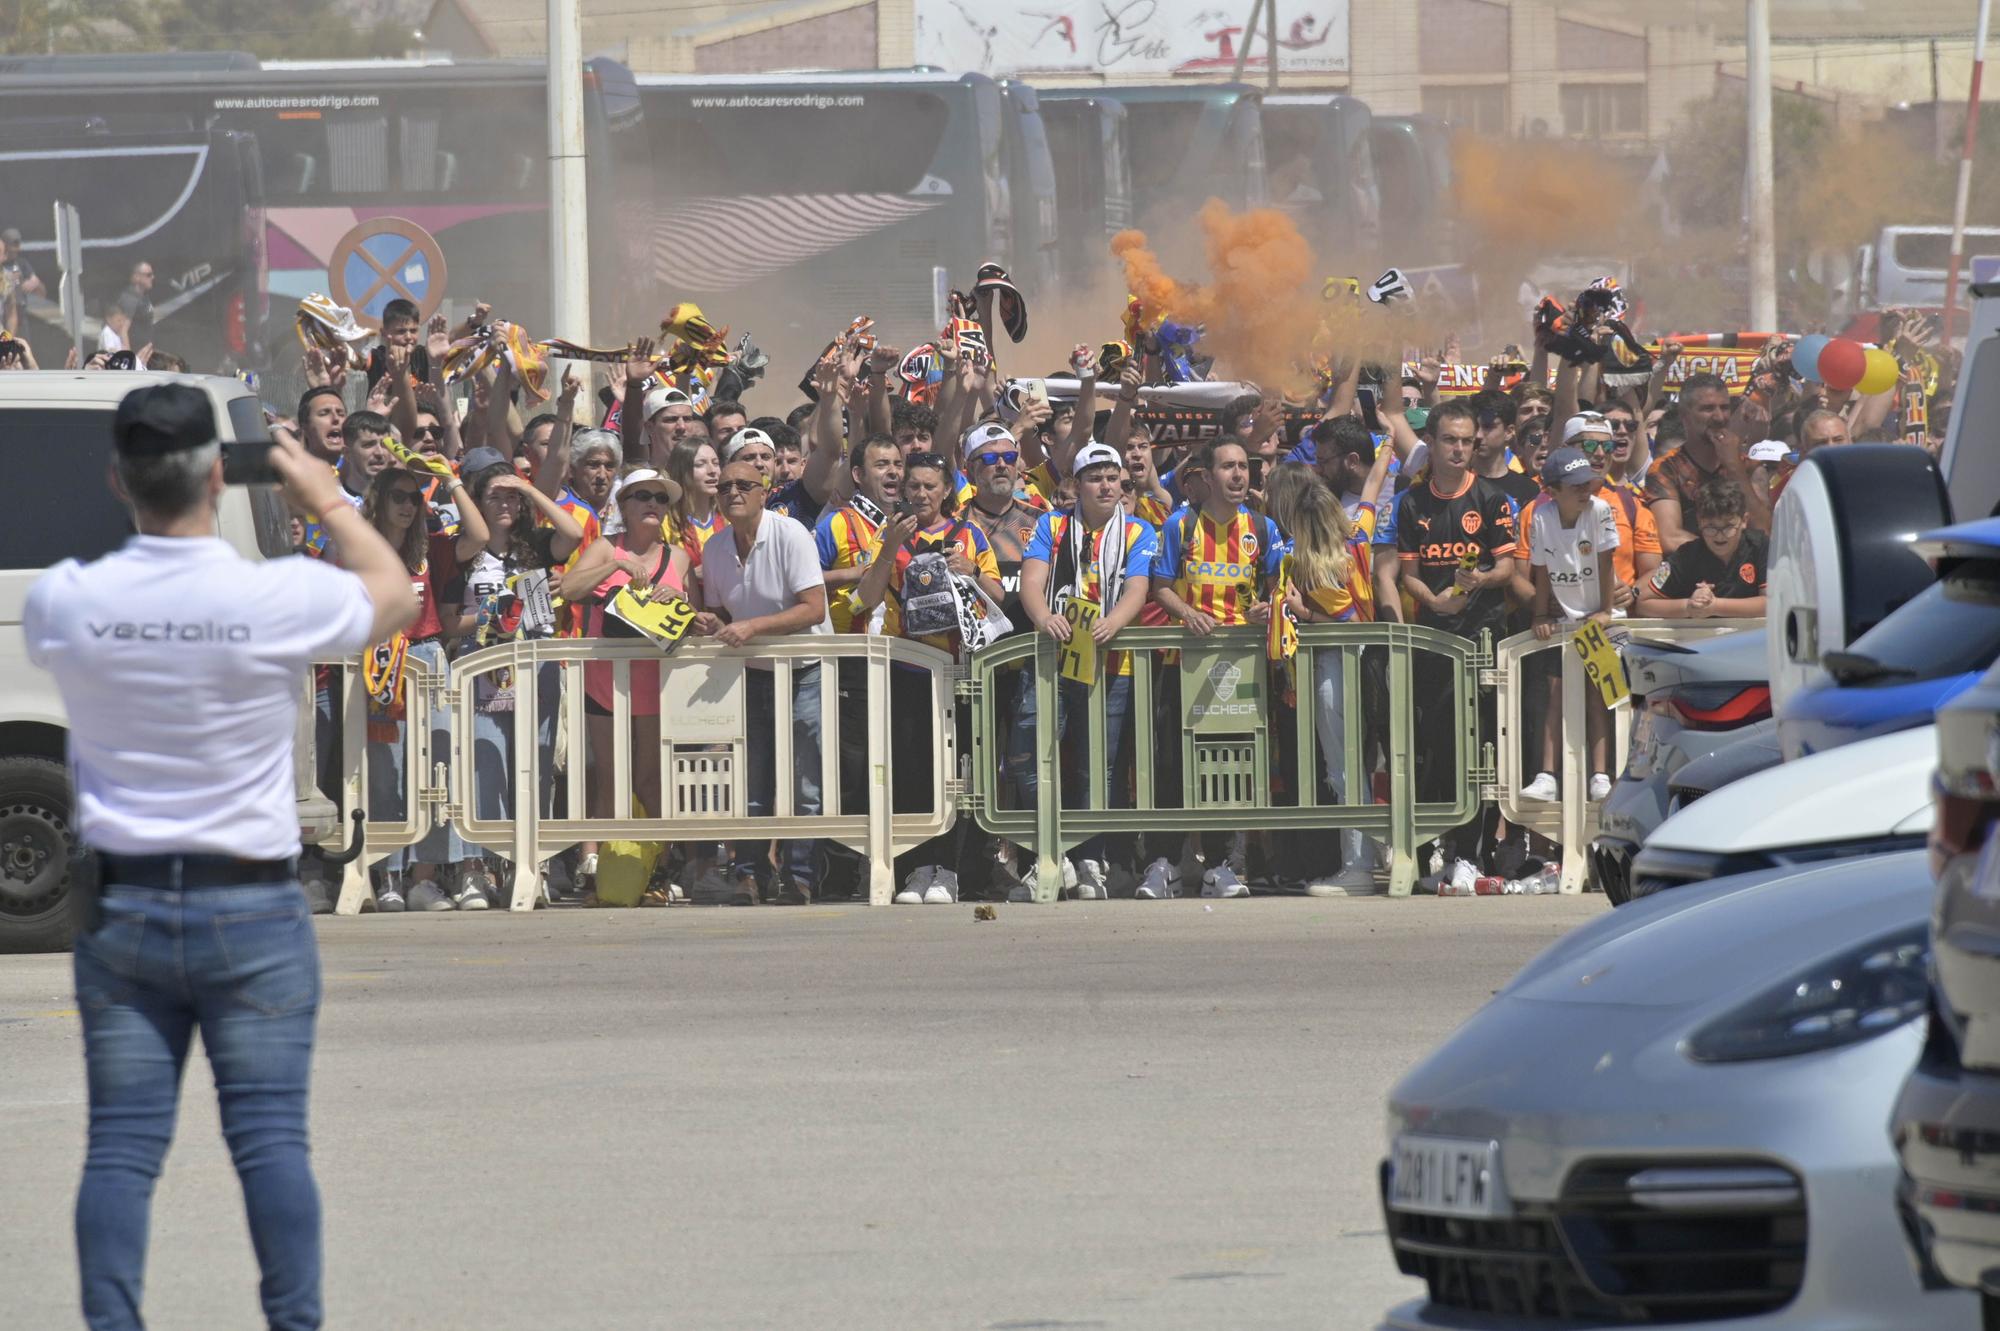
[1120,1114]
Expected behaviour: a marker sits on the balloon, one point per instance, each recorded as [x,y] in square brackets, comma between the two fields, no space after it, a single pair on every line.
[1880,374]
[1841,364]
[1805,355]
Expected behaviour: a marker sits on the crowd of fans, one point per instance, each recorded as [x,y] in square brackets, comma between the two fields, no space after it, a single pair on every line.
[961,506]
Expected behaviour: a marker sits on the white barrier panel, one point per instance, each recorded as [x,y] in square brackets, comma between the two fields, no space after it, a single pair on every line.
[520,719]
[1570,822]
[423,795]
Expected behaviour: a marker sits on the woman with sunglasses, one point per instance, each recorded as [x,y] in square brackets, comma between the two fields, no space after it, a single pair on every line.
[644,560]
[395,507]
[902,578]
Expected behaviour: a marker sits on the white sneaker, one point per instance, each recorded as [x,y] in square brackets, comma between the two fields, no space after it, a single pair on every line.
[1162,880]
[586,866]
[915,886]
[389,901]
[429,896]
[1221,881]
[471,894]
[1600,788]
[1354,881]
[1090,884]
[943,890]
[1542,788]
[1464,876]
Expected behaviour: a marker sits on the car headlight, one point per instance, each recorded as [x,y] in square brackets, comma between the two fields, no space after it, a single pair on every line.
[1862,993]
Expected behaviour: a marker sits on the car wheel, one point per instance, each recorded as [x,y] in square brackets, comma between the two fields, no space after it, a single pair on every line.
[35,841]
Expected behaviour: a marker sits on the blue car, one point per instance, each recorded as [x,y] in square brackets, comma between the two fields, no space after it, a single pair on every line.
[1931,649]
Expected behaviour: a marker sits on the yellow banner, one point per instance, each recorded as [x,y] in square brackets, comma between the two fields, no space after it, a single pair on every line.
[1078,661]
[1602,665]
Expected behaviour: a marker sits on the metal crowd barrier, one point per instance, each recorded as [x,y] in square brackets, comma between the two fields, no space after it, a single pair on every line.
[1570,822]
[703,758]
[423,795]
[1226,766]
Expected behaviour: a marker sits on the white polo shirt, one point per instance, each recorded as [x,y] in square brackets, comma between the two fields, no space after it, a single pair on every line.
[181,665]
[783,562]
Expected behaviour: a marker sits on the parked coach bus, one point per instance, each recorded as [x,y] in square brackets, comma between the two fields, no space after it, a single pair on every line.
[459,149]
[789,204]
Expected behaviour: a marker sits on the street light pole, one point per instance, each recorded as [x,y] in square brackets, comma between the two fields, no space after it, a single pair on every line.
[1763,218]
[569,234]
[1965,169]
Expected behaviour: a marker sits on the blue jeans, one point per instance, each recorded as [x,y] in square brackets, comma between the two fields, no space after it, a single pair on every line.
[1071,697]
[760,708]
[242,964]
[493,792]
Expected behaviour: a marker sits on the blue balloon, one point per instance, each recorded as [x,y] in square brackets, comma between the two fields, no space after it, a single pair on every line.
[1805,355]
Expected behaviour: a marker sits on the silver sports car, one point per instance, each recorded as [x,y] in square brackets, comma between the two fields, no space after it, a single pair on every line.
[1676,1114]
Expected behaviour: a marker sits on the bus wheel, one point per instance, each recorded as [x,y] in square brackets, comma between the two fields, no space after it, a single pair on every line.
[35,841]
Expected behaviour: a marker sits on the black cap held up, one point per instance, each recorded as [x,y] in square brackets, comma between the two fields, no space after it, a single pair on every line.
[163,418]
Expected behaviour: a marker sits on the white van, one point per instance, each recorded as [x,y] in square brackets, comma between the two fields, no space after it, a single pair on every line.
[1907,265]
[55,451]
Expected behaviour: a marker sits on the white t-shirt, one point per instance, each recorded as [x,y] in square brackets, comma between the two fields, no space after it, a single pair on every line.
[783,563]
[182,665]
[1570,554]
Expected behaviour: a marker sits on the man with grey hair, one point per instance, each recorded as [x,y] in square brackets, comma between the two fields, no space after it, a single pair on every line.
[188,905]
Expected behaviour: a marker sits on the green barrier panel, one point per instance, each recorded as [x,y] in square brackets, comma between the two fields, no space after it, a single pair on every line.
[1224,727]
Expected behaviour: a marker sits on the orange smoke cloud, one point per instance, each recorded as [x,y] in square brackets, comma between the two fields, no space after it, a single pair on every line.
[1261,304]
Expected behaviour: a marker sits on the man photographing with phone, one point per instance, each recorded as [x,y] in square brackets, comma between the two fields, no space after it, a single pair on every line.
[180,665]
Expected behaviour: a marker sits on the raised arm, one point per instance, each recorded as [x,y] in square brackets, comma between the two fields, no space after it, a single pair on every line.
[553,474]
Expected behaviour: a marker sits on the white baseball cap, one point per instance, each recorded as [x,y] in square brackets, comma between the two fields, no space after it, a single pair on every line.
[1770,450]
[1586,422]
[1094,454]
[659,399]
[991,435]
[743,438]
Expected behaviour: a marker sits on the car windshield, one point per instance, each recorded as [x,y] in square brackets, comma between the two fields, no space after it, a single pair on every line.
[1950,628]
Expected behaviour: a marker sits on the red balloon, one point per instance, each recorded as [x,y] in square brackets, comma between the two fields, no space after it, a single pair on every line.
[1842,362]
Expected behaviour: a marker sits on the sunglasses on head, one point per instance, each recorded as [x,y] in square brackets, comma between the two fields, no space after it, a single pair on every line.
[926,460]
[996,459]
[738,487]
[649,496]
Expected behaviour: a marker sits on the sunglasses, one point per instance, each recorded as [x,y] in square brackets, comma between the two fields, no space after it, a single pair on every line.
[1593,445]
[996,459]
[1619,426]
[648,496]
[926,460]
[433,430]
[406,496]
[738,487]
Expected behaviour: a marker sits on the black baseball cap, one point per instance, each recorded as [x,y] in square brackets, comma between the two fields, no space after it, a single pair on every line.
[162,418]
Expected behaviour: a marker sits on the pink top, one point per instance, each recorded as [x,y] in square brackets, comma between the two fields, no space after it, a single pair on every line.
[597,677]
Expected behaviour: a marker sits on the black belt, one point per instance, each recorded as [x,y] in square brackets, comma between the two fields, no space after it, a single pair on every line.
[193,871]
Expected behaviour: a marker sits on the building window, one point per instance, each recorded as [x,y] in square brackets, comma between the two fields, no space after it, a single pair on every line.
[1604,110]
[1482,108]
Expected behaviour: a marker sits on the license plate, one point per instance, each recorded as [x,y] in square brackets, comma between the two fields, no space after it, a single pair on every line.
[1447,1176]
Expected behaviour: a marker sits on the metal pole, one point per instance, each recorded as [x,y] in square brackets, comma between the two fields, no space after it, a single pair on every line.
[1271,44]
[569,236]
[1249,32]
[1763,222]
[1965,168]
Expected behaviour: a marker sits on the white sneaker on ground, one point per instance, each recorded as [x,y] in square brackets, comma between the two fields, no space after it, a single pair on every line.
[1221,881]
[389,901]
[1600,788]
[1160,881]
[586,865]
[1355,881]
[428,896]
[472,888]
[1542,788]
[915,885]
[943,890]
[1090,882]
[1464,876]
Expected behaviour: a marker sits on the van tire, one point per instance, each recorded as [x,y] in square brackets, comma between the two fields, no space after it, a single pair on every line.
[35,840]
